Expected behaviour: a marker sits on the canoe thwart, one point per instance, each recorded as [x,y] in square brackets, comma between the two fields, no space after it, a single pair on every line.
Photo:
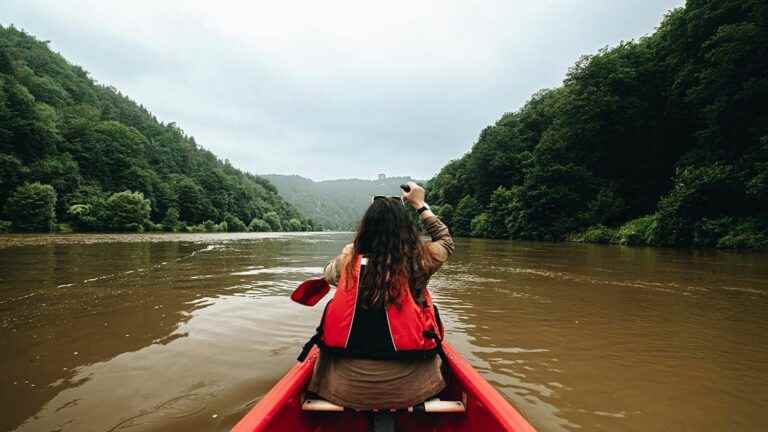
[430,406]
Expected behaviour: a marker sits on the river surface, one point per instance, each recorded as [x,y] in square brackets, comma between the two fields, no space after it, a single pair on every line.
[186,332]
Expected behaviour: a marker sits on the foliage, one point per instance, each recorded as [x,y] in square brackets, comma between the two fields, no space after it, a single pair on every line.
[209,226]
[480,227]
[637,232]
[88,141]
[32,207]
[170,221]
[445,213]
[674,125]
[273,220]
[88,211]
[152,227]
[596,234]
[128,211]
[82,218]
[294,225]
[63,228]
[258,225]
[748,233]
[467,209]
[234,224]
[5,226]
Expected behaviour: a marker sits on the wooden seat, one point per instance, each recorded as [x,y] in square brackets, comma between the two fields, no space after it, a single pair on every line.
[430,406]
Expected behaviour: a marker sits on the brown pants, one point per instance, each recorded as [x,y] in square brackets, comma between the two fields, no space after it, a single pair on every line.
[367,384]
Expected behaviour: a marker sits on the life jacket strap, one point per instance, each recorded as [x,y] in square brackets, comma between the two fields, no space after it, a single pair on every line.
[315,339]
[308,347]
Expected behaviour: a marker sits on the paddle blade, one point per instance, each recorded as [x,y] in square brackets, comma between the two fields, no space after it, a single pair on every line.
[311,291]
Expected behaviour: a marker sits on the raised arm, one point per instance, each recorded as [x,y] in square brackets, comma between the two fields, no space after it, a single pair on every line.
[441,245]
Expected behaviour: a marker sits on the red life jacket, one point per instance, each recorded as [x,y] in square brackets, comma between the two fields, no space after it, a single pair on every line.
[397,331]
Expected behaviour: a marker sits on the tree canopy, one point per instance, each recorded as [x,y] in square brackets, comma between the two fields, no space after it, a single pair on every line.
[665,137]
[89,141]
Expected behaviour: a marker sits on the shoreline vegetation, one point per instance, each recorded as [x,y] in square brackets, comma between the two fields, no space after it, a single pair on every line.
[76,155]
[661,141]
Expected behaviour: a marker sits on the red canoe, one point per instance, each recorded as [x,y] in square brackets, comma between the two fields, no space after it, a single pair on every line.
[474,406]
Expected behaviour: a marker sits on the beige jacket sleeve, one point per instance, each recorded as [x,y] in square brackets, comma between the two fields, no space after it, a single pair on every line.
[440,245]
[332,270]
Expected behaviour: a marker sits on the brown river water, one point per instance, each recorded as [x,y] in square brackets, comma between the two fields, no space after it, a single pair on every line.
[185,332]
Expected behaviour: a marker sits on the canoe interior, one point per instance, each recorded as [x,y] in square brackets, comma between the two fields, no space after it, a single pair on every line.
[486,410]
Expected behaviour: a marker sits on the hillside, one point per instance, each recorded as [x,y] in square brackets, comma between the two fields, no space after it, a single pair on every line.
[660,141]
[75,151]
[334,204]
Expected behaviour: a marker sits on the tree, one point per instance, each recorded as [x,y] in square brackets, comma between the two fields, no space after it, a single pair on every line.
[60,171]
[504,204]
[171,219]
[234,224]
[258,225]
[294,225]
[11,174]
[273,219]
[674,123]
[467,209]
[191,199]
[83,218]
[32,207]
[127,211]
[88,209]
[59,127]
[481,226]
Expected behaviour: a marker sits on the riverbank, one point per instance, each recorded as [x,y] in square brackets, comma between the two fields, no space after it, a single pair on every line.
[16,240]
[724,233]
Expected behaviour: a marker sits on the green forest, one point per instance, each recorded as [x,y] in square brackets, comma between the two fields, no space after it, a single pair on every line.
[660,141]
[77,155]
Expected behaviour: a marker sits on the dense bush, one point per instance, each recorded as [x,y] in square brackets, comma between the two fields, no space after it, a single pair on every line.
[596,234]
[170,221]
[466,210]
[258,225]
[127,211]
[480,226]
[273,220]
[637,232]
[234,224]
[746,234]
[294,225]
[445,212]
[83,218]
[32,207]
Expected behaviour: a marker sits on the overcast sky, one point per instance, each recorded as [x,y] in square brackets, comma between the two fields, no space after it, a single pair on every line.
[329,89]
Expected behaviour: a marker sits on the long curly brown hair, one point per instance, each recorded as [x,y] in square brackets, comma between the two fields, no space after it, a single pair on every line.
[387,236]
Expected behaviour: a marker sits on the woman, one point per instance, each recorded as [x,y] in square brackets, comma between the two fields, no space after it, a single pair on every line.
[380,333]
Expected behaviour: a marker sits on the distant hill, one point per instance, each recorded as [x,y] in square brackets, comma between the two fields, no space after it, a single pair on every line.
[333,204]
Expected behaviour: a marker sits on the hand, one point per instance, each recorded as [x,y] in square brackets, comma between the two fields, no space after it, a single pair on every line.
[414,197]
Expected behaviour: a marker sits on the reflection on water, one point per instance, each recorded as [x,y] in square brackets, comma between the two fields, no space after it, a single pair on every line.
[160,333]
